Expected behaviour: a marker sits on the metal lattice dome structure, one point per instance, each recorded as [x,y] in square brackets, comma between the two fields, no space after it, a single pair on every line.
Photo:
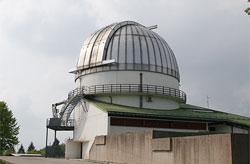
[130,46]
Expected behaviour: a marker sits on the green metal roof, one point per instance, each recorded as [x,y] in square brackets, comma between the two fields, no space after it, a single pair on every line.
[186,111]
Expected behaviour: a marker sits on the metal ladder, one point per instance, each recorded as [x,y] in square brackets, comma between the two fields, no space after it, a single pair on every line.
[74,97]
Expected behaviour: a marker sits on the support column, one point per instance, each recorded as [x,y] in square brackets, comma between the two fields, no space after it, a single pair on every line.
[55,136]
[141,98]
[46,146]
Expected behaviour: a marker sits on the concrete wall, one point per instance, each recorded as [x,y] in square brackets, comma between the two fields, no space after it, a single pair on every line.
[141,148]
[125,129]
[72,150]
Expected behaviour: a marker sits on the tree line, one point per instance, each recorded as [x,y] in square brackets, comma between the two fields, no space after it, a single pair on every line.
[31,150]
[9,131]
[55,150]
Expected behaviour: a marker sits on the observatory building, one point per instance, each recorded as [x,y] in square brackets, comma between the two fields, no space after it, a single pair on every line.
[127,80]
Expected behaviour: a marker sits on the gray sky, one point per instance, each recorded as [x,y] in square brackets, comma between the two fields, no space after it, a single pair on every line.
[40,42]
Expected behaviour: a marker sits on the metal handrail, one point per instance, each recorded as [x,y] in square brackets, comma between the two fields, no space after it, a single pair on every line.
[75,96]
[129,88]
[68,123]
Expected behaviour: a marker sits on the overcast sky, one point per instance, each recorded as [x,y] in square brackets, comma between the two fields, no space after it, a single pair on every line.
[40,41]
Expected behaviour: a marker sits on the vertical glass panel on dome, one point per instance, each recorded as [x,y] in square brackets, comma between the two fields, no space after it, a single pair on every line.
[163,54]
[130,56]
[81,58]
[115,48]
[157,52]
[174,60]
[96,47]
[94,37]
[94,54]
[122,46]
[134,30]
[102,42]
[151,51]
[89,49]
[123,30]
[137,53]
[109,51]
[87,56]
[100,52]
[129,30]
[171,57]
[169,63]
[99,37]
[105,36]
[144,51]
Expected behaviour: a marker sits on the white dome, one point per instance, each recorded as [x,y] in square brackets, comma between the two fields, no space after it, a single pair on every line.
[131,46]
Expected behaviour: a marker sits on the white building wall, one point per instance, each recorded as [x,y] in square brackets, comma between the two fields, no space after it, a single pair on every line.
[128,77]
[160,103]
[94,121]
[134,101]
[88,125]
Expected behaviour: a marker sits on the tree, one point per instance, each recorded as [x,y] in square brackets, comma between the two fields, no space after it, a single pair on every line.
[21,150]
[8,129]
[31,148]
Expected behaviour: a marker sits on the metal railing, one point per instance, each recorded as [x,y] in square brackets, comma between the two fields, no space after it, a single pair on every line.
[56,122]
[62,118]
[129,89]
[78,91]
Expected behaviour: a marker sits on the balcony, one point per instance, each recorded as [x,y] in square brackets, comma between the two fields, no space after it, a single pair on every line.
[134,89]
[62,121]
[59,125]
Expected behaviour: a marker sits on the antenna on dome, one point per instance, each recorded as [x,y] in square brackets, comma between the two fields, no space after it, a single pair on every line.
[152,27]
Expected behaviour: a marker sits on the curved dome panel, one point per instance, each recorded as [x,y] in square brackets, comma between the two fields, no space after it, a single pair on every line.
[132,46]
